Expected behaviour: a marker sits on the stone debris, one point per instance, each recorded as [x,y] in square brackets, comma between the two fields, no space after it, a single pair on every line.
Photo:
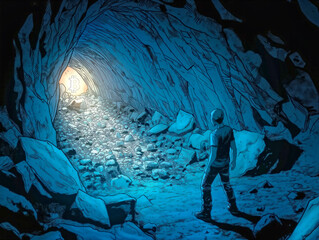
[88,207]
[268,227]
[158,129]
[112,145]
[121,182]
[185,123]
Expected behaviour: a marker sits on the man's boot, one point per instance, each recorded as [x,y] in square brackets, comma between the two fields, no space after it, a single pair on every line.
[204,214]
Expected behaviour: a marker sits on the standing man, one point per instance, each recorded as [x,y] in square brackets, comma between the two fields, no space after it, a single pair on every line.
[221,140]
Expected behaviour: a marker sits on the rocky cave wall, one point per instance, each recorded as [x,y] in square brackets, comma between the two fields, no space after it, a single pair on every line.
[159,57]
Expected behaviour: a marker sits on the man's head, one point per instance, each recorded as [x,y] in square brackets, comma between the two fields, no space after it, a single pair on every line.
[217,116]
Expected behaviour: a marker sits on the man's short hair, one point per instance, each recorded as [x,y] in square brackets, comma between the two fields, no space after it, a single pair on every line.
[217,115]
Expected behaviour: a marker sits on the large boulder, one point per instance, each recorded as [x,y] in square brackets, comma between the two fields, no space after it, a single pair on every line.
[78,105]
[158,129]
[18,211]
[159,118]
[130,231]
[184,123]
[186,157]
[51,166]
[16,203]
[88,209]
[198,141]
[86,232]
[268,227]
[121,182]
[120,207]
[29,179]
[249,146]
[308,225]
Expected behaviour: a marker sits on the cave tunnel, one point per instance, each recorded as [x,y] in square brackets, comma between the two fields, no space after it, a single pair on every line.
[117,112]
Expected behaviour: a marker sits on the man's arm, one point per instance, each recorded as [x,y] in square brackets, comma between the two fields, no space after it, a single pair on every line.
[212,155]
[234,150]
[213,149]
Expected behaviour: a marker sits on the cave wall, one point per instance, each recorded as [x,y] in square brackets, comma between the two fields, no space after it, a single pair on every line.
[37,69]
[153,56]
[138,54]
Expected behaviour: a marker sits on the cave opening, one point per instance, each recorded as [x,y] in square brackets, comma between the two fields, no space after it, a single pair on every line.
[72,83]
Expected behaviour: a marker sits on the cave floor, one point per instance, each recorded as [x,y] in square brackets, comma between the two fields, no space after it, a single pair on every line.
[94,135]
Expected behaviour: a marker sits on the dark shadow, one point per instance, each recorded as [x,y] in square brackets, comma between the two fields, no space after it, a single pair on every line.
[244,231]
[279,152]
[282,232]
[251,218]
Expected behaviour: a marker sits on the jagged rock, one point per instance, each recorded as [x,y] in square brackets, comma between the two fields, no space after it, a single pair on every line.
[89,209]
[30,179]
[119,143]
[184,123]
[197,141]
[17,210]
[268,227]
[297,60]
[85,161]
[77,105]
[141,117]
[171,151]
[296,113]
[158,129]
[296,195]
[150,147]
[119,207]
[161,173]
[142,202]
[49,236]
[101,125]
[265,184]
[129,138]
[149,226]
[10,133]
[16,203]
[86,232]
[5,163]
[166,165]
[58,176]
[308,224]
[249,146]
[186,157]
[110,163]
[159,118]
[149,165]
[121,182]
[7,231]
[130,231]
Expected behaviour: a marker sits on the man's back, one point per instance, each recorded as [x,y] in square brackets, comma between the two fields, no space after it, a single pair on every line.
[221,138]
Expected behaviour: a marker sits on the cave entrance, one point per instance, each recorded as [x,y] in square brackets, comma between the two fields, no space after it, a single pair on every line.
[71,82]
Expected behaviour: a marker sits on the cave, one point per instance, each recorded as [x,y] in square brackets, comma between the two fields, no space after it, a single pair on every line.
[108,120]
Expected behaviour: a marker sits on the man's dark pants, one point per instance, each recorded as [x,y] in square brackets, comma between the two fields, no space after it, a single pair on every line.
[209,177]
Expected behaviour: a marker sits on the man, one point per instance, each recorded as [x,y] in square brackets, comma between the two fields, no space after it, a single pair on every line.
[221,140]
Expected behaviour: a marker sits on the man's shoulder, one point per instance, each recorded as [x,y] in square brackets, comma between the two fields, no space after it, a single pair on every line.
[224,131]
